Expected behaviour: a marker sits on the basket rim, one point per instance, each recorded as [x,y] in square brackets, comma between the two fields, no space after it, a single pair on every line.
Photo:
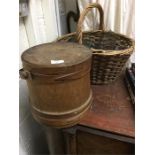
[101,51]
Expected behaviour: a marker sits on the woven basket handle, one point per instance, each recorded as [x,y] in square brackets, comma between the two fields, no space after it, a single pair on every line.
[82,16]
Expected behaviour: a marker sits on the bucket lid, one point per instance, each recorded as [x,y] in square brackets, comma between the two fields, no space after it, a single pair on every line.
[56,55]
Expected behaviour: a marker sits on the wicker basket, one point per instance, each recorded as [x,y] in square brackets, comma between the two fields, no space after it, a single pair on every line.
[110,50]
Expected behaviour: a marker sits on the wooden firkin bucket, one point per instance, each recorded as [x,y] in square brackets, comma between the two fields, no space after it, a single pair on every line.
[58,79]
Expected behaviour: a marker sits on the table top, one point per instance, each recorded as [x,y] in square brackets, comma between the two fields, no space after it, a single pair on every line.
[112,109]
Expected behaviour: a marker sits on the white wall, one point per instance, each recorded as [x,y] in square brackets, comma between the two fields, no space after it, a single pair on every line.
[39,26]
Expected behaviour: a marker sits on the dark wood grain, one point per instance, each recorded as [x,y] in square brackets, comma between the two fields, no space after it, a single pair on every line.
[91,144]
[111,110]
[70,143]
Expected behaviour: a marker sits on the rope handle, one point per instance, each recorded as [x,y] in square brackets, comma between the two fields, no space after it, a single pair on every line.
[82,16]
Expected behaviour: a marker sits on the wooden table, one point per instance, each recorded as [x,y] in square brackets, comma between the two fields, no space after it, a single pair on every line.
[108,128]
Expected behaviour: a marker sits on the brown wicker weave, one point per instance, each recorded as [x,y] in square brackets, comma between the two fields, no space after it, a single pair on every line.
[110,50]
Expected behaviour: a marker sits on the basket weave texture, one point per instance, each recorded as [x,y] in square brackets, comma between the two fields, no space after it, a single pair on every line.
[110,50]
